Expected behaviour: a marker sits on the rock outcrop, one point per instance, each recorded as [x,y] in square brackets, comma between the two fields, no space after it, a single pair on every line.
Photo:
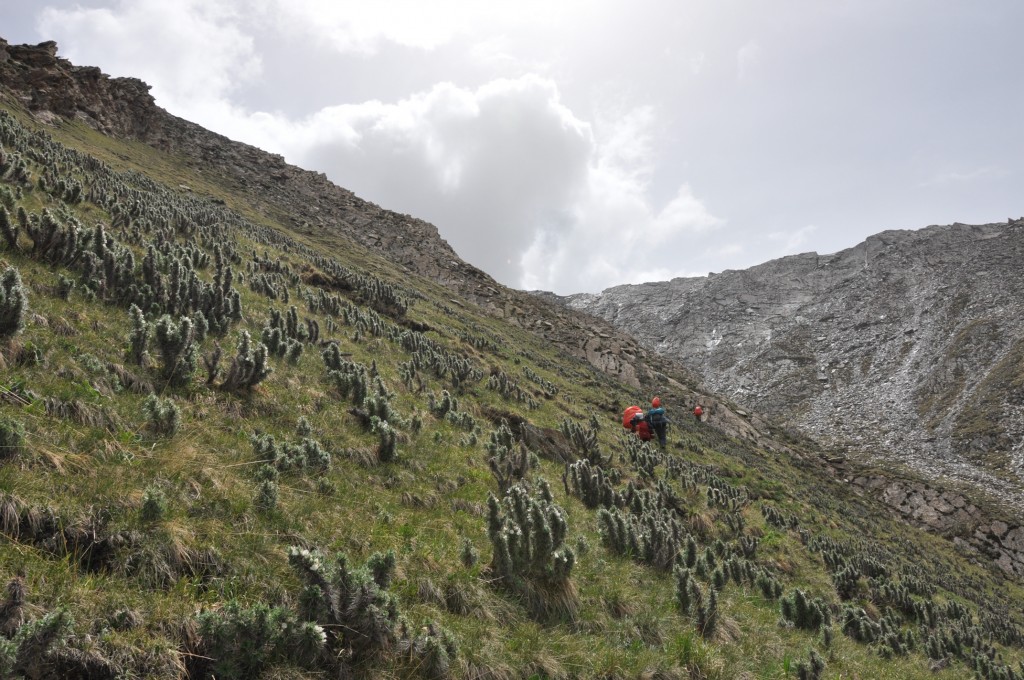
[908,347]
[953,515]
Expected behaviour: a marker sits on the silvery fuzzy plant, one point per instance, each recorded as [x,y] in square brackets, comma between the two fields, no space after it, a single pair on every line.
[13,303]
[530,557]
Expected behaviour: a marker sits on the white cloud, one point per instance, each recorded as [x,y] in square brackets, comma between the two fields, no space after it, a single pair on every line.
[192,52]
[747,60]
[516,182]
[616,233]
[792,242]
[684,214]
[518,185]
[489,166]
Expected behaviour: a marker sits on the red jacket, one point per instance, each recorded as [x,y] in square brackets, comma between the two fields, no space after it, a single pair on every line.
[643,430]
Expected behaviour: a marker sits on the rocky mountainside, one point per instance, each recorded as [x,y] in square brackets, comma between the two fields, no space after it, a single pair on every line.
[56,92]
[908,347]
[239,444]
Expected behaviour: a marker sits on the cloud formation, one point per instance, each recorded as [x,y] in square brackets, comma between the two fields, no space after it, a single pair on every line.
[193,52]
[579,144]
[490,166]
[516,182]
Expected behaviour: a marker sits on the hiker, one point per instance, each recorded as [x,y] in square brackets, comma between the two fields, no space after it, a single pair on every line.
[658,420]
[635,420]
[642,429]
[698,413]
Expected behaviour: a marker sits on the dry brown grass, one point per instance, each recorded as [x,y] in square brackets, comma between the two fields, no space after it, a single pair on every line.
[63,461]
[702,524]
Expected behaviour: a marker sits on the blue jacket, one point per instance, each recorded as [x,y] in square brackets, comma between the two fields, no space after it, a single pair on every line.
[656,416]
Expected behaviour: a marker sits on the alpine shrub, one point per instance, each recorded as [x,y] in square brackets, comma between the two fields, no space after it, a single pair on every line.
[387,439]
[468,554]
[591,485]
[154,504]
[441,407]
[8,229]
[12,437]
[653,536]
[13,303]
[26,653]
[266,495]
[509,462]
[812,668]
[176,343]
[771,587]
[249,367]
[683,580]
[164,415]
[241,642]
[351,604]
[705,614]
[805,613]
[351,380]
[584,440]
[430,652]
[530,555]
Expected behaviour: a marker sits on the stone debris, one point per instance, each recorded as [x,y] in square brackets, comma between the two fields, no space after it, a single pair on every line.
[950,513]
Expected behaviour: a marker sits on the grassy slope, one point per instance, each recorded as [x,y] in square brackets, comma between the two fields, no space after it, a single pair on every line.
[421,507]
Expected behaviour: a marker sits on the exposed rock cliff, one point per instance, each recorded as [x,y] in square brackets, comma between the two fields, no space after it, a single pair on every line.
[908,347]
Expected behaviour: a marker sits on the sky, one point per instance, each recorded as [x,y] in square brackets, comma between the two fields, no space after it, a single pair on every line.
[574,145]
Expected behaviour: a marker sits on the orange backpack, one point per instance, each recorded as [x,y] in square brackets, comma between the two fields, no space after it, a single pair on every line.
[629,414]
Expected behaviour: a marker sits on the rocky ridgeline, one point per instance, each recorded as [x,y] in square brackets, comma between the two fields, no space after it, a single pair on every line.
[53,89]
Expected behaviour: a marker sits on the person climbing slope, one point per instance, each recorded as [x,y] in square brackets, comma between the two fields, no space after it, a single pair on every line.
[658,420]
[698,413]
[643,430]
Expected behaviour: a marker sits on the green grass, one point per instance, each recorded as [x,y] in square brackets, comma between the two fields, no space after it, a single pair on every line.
[423,506]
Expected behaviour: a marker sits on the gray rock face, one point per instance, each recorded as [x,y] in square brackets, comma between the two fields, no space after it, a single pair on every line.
[952,515]
[908,347]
